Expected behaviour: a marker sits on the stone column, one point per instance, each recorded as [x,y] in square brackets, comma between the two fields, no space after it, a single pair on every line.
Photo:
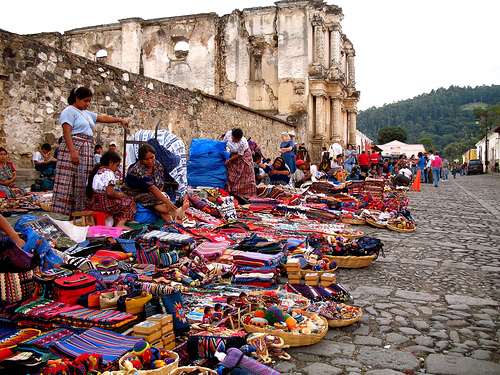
[351,131]
[319,41]
[131,44]
[319,128]
[350,66]
[334,46]
[336,119]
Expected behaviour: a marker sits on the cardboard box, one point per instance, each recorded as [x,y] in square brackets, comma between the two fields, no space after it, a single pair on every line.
[158,344]
[294,278]
[169,342]
[162,318]
[147,327]
[312,282]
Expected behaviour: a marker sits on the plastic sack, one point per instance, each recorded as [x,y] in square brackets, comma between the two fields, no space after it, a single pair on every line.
[205,166]
[145,216]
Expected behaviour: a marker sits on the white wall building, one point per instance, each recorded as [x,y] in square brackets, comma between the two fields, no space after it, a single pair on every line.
[399,148]
[493,150]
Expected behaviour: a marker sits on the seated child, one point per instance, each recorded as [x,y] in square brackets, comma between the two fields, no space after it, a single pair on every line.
[218,311]
[43,162]
[353,176]
[260,175]
[302,174]
[102,195]
[209,317]
[242,300]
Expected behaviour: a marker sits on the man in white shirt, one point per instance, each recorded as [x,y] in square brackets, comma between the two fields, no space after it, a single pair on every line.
[335,149]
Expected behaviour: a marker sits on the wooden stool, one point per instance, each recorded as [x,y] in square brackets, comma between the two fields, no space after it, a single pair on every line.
[86,216]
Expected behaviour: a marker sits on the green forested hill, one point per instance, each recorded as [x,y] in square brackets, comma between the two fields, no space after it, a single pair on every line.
[443,115]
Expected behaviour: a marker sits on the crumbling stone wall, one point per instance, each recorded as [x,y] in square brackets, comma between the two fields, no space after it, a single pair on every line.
[35,80]
[290,60]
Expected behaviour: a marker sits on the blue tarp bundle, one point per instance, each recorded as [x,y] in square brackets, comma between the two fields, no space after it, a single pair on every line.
[205,166]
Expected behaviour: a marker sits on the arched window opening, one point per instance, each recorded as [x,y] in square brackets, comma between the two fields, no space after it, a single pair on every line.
[101,55]
[181,49]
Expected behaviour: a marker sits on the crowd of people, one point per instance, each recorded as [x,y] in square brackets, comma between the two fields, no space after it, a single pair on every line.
[79,169]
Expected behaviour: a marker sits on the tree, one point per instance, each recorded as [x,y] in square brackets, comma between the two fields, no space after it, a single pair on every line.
[428,143]
[455,150]
[488,118]
[391,133]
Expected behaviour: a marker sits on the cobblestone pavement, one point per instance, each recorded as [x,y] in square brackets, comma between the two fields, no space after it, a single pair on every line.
[433,304]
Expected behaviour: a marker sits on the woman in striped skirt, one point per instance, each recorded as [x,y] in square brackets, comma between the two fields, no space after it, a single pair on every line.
[240,173]
[76,154]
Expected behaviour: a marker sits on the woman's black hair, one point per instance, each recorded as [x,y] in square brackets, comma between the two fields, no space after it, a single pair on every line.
[144,149]
[96,147]
[2,149]
[207,309]
[108,158]
[283,164]
[80,93]
[237,133]
[60,139]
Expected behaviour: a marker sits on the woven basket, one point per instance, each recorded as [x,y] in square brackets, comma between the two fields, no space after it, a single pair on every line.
[392,227]
[189,369]
[294,340]
[344,322]
[360,221]
[351,261]
[45,206]
[374,223]
[159,371]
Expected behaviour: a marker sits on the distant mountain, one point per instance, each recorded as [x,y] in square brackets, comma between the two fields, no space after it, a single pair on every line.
[443,115]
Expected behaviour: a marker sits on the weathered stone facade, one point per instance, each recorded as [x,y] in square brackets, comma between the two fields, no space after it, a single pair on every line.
[35,80]
[290,60]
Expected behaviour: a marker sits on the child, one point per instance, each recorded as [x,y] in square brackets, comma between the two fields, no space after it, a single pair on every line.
[354,175]
[208,316]
[43,162]
[260,175]
[102,195]
[218,311]
[242,300]
[302,174]
[97,154]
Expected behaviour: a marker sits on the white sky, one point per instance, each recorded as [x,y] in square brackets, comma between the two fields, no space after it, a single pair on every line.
[403,48]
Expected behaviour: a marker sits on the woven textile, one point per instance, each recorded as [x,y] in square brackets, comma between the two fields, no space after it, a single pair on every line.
[241,176]
[71,180]
[210,250]
[236,358]
[111,345]
[122,208]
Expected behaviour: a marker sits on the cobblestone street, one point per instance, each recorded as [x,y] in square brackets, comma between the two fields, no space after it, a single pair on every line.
[432,304]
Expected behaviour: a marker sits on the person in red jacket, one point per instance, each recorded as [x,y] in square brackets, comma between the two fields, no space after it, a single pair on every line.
[374,159]
[363,161]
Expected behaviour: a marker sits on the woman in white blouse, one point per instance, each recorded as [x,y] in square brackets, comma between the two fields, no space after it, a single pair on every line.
[102,195]
[240,173]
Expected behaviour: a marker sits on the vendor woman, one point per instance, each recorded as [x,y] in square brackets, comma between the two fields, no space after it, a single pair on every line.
[240,173]
[278,172]
[76,153]
[144,182]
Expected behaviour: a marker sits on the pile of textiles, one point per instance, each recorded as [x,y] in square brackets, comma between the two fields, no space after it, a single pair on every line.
[256,269]
[40,310]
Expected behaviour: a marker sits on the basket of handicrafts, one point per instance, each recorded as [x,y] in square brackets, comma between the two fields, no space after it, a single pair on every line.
[314,328]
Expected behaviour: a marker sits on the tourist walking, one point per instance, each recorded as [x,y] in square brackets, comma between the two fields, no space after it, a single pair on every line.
[446,169]
[350,158]
[454,167]
[437,166]
[76,155]
[287,153]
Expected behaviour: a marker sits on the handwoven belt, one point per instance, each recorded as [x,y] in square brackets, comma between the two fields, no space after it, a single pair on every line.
[85,137]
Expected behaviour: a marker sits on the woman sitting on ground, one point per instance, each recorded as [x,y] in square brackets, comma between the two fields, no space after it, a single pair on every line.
[102,195]
[8,177]
[144,182]
[278,172]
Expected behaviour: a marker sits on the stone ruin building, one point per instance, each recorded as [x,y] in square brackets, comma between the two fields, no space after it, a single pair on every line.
[290,60]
